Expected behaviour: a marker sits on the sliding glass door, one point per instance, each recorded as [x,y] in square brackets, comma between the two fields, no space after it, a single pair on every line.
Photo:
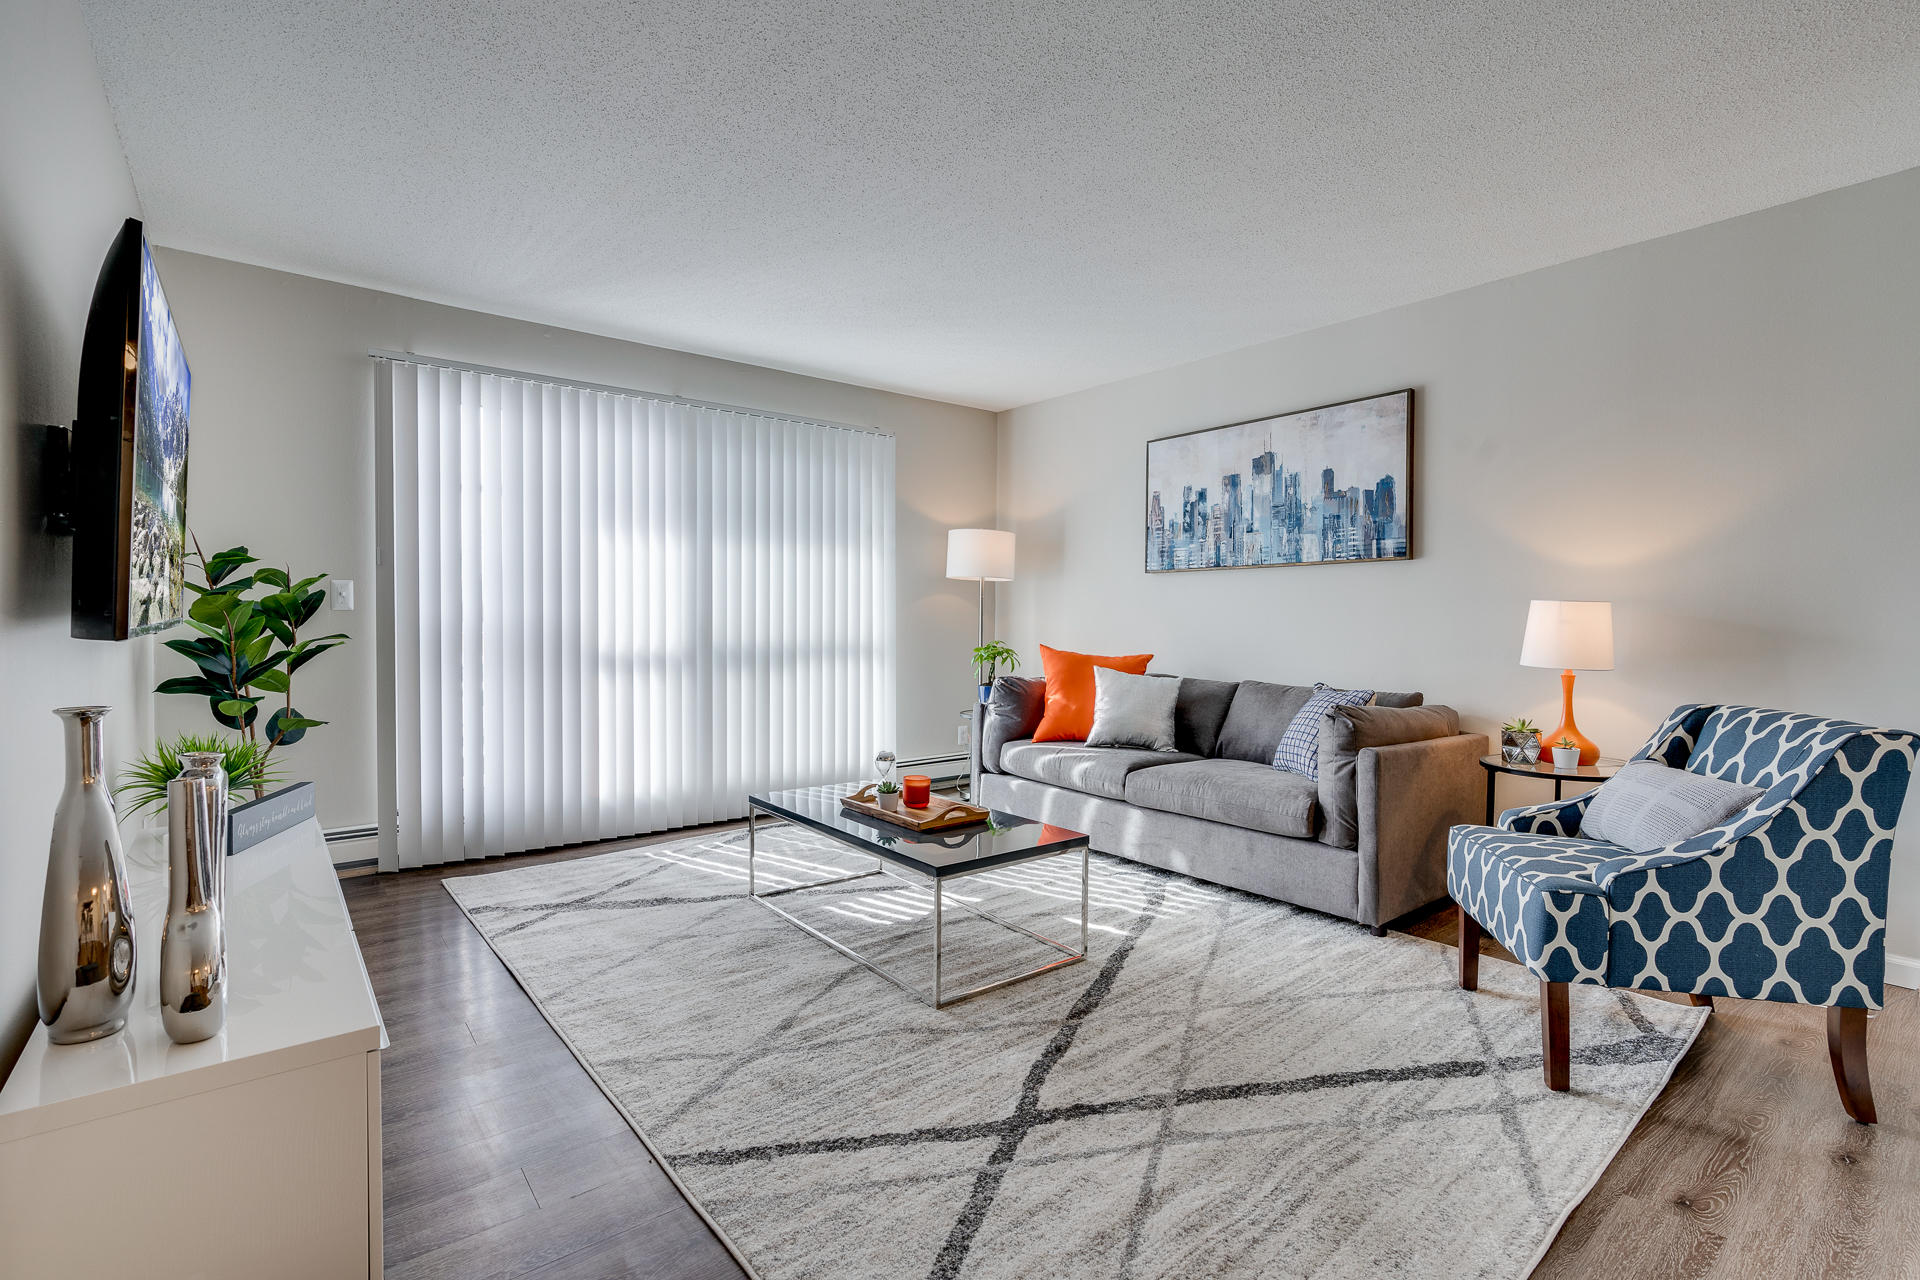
[613,613]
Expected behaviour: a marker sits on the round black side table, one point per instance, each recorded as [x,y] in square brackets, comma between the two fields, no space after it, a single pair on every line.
[1495,765]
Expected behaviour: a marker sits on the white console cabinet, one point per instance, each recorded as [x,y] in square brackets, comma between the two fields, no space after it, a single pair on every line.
[253,1154]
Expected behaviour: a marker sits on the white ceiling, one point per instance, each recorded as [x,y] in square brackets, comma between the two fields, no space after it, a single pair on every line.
[983,202]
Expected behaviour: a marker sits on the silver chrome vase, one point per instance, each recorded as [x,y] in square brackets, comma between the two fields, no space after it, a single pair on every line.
[212,766]
[85,980]
[193,947]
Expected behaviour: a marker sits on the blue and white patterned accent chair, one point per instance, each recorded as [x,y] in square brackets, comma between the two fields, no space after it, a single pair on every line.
[1786,900]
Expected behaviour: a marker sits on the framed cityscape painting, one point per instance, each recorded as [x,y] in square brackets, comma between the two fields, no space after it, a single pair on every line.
[1318,486]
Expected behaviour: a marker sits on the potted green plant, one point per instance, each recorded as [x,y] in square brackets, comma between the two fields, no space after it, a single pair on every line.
[1520,742]
[1566,754]
[143,784]
[888,793]
[250,646]
[989,658]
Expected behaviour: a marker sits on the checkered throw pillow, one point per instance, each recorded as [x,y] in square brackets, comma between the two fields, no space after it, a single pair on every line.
[1299,749]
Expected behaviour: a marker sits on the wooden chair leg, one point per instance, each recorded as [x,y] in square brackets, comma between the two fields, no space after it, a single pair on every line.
[1556,1045]
[1468,940]
[1847,1047]
[1700,1002]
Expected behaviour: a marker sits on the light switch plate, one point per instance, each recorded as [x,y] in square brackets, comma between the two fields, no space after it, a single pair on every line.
[342,594]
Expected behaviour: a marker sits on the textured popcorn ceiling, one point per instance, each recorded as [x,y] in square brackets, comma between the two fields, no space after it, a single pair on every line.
[990,203]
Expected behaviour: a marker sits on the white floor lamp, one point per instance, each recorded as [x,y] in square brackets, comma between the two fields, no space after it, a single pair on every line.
[984,555]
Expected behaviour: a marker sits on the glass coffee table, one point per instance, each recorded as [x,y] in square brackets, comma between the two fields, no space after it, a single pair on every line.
[933,859]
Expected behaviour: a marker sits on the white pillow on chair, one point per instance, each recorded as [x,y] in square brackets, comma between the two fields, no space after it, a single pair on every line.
[1648,806]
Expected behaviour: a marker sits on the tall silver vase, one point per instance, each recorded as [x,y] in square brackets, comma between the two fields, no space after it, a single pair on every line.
[193,949]
[211,765]
[85,978]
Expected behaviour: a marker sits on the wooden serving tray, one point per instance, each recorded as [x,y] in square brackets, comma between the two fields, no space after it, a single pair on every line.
[940,814]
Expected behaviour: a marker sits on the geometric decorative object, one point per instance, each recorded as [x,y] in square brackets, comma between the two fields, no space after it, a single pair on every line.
[1315,486]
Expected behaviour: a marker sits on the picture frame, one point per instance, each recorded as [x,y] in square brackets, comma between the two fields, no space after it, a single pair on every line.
[1330,484]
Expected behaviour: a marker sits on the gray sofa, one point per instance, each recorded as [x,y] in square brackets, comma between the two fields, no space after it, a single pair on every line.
[1367,840]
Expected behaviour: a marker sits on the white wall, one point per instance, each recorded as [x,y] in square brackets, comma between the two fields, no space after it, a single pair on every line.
[1719,431]
[283,462]
[64,191]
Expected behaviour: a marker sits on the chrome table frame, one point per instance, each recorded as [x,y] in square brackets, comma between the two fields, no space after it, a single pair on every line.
[939,999]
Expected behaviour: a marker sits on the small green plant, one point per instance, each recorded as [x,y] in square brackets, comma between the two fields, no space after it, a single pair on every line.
[250,646]
[1566,743]
[145,781]
[888,787]
[1522,725]
[993,655]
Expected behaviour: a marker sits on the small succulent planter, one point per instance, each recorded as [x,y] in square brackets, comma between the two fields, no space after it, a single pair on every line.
[1566,756]
[889,797]
[1520,743]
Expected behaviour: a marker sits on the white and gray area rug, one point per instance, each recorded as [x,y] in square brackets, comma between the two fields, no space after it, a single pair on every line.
[1228,1086]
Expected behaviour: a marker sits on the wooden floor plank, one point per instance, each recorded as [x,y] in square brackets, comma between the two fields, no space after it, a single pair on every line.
[504,1160]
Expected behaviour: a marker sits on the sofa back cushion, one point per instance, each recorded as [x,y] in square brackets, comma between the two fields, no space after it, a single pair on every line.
[1199,712]
[1259,714]
[1069,713]
[1648,806]
[1384,699]
[1013,712]
[1347,731]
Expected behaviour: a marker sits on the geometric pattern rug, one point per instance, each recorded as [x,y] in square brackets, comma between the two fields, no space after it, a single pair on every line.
[1227,1086]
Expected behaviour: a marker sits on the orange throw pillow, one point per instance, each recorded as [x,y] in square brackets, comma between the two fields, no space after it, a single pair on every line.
[1069,713]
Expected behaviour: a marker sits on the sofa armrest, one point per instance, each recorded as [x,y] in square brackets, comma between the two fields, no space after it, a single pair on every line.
[1410,795]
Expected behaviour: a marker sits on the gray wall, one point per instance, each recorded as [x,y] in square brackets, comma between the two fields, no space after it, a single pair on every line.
[283,462]
[1716,430]
[64,190]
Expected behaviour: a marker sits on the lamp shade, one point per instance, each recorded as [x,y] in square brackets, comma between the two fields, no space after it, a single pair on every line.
[980,553]
[1574,635]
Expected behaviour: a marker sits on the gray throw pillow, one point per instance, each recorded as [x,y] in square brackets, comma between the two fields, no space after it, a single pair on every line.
[1399,699]
[1344,733]
[1132,711]
[1013,713]
[1648,806]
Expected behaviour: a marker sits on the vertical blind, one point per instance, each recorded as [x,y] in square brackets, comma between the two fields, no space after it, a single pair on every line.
[615,613]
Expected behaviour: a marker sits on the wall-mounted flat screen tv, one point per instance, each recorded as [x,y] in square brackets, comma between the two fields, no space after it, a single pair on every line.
[130,453]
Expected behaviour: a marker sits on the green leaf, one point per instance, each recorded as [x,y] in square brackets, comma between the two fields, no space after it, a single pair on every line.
[309,605]
[197,648]
[307,650]
[300,587]
[272,577]
[281,604]
[281,630]
[232,721]
[236,706]
[271,681]
[190,684]
[222,563]
[212,608]
[285,727]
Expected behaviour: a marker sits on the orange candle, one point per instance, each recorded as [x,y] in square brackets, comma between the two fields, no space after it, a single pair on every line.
[916,789]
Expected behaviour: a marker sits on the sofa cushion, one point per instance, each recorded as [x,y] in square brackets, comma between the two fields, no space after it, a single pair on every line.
[1399,699]
[1344,733]
[1259,714]
[1098,771]
[1069,713]
[1199,712]
[1013,711]
[1240,793]
[1132,711]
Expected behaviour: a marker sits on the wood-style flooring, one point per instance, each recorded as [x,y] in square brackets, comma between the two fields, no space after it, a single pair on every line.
[503,1158]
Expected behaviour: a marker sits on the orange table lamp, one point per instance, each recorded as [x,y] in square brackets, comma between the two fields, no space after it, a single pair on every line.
[1574,635]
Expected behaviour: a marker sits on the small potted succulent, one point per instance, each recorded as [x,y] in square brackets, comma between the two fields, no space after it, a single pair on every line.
[1566,754]
[1520,742]
[989,658]
[888,793]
